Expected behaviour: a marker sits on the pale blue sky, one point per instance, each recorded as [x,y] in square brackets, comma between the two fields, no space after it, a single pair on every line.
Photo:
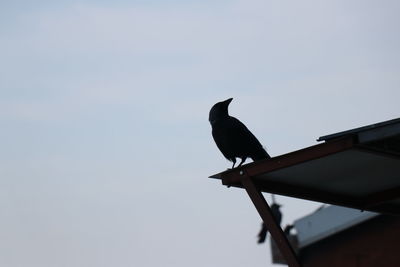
[106,147]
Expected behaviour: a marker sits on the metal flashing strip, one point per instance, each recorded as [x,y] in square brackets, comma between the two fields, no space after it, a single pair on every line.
[369,132]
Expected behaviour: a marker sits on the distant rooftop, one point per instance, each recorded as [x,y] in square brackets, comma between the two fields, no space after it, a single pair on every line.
[328,221]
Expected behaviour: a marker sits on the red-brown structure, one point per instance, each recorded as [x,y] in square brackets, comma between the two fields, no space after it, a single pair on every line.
[336,236]
[359,168]
[370,244]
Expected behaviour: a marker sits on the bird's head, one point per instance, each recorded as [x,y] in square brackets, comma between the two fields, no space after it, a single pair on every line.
[219,111]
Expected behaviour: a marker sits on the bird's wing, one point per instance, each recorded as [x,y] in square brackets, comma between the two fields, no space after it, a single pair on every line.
[222,141]
[262,235]
[235,140]
[245,141]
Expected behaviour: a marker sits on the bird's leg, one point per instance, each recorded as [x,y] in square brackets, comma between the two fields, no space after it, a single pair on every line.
[240,164]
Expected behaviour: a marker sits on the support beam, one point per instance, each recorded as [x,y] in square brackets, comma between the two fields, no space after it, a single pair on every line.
[266,214]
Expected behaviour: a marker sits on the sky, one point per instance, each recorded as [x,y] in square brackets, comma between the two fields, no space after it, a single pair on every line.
[106,145]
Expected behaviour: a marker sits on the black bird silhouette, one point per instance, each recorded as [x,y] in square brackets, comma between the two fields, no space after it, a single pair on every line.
[232,137]
[275,209]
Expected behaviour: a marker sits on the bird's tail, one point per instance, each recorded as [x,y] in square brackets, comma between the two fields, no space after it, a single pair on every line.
[262,235]
[260,154]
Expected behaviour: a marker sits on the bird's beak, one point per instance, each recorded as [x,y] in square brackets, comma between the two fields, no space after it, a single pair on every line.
[228,101]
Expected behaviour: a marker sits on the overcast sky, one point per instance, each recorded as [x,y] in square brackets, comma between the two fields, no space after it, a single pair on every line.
[105,141]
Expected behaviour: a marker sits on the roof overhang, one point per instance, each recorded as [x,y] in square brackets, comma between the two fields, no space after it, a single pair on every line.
[359,169]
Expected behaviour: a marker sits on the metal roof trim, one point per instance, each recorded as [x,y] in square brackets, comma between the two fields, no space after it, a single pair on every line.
[391,125]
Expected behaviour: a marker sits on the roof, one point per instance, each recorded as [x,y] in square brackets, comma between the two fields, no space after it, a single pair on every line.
[358,168]
[328,221]
[369,132]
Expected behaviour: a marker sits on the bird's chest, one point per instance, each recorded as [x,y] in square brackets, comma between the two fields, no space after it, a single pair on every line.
[224,133]
[222,128]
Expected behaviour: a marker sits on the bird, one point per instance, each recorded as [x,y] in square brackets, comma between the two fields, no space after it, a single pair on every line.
[276,213]
[232,137]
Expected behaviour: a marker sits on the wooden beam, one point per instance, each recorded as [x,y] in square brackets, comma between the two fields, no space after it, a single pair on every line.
[266,214]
